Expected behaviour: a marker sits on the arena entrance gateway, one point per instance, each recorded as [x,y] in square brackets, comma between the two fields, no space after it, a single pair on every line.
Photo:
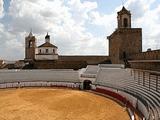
[86,84]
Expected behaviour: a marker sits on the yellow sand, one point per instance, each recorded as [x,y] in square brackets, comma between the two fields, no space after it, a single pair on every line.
[57,104]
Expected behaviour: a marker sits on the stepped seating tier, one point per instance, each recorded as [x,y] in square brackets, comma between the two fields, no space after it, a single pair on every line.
[148,91]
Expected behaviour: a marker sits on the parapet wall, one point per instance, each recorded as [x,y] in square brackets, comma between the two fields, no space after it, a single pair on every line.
[91,60]
[149,60]
[153,65]
[41,64]
[148,55]
[70,62]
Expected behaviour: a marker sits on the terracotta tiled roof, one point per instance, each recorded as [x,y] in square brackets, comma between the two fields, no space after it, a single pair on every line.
[47,44]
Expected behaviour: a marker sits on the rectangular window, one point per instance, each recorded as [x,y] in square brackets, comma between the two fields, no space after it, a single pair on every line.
[46,50]
[40,51]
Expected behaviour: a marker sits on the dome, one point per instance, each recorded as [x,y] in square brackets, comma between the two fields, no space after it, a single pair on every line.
[47,36]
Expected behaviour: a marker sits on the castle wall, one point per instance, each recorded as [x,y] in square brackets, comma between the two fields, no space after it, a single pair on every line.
[149,60]
[148,55]
[124,40]
[70,62]
[153,65]
[50,64]
[88,59]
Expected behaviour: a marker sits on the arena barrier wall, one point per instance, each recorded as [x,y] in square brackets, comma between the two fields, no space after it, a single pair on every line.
[40,84]
[9,76]
[128,100]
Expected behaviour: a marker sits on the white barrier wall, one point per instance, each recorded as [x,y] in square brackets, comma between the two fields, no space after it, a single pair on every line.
[40,84]
[137,104]
[38,75]
[143,109]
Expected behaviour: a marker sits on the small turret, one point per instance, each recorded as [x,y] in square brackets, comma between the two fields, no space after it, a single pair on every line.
[47,38]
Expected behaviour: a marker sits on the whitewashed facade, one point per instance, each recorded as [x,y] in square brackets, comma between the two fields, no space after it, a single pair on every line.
[46,51]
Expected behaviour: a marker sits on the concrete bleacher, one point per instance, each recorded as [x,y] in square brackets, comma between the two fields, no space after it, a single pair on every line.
[38,75]
[111,66]
[92,69]
[24,78]
[139,90]
[120,81]
[89,73]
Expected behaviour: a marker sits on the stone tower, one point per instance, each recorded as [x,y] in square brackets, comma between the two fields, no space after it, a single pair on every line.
[30,46]
[124,18]
[124,41]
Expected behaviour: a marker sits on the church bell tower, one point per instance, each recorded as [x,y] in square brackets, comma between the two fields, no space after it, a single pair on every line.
[30,46]
[124,18]
[125,40]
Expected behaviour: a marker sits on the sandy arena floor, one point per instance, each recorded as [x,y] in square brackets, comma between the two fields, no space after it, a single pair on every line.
[57,104]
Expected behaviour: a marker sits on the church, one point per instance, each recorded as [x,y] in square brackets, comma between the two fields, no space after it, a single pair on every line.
[46,51]
[124,42]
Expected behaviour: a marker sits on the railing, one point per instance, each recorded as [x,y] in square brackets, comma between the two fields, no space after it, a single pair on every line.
[150,79]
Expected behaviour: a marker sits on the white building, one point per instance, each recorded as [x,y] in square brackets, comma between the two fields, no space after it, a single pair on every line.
[46,51]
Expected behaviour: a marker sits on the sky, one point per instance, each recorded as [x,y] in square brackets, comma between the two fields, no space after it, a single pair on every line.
[77,27]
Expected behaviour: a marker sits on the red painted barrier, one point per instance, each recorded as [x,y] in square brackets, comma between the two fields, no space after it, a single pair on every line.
[116,96]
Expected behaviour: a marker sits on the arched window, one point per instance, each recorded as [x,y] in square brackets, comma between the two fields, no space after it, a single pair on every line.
[30,44]
[125,22]
[53,51]
[124,55]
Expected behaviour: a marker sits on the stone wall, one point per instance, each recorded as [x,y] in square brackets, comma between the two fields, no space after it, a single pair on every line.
[124,42]
[91,60]
[153,65]
[148,55]
[38,64]
[70,62]
[149,60]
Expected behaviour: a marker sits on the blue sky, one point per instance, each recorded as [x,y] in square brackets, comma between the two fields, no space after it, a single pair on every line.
[77,27]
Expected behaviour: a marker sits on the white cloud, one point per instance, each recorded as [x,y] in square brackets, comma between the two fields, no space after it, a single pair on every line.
[10,48]
[148,18]
[68,23]
[143,16]
[81,10]
[108,21]
[1,8]
[40,15]
[65,21]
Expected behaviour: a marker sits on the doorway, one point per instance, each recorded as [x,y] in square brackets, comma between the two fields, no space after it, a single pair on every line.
[86,84]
